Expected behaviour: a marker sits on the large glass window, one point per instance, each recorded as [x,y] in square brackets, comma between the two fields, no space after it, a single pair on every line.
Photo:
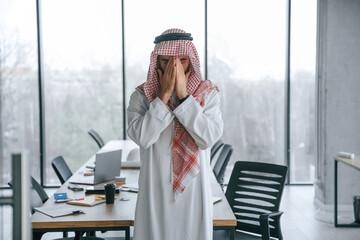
[302,92]
[82,43]
[247,61]
[19,121]
[83,82]
[144,20]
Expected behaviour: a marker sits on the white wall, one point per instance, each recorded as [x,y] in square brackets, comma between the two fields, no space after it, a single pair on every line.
[338,95]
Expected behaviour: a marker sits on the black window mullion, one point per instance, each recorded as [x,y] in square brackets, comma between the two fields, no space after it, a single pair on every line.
[41,94]
[123,68]
[287,90]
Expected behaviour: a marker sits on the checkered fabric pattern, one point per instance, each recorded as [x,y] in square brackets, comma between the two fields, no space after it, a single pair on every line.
[185,152]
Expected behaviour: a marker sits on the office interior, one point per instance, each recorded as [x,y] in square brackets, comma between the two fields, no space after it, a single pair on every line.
[288,73]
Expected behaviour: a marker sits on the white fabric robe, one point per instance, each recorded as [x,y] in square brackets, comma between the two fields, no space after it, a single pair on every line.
[151,125]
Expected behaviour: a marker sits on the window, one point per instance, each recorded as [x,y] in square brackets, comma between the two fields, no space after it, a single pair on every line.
[82,78]
[247,61]
[302,92]
[19,105]
[83,75]
[143,24]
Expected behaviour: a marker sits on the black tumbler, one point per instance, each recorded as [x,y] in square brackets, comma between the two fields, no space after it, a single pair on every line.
[357,208]
[110,193]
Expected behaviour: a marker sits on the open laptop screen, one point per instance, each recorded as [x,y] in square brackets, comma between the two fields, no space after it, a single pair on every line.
[107,166]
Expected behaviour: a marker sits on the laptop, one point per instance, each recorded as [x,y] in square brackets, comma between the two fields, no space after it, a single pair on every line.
[108,166]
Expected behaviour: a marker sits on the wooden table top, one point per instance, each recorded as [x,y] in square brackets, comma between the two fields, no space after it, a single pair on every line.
[352,162]
[121,213]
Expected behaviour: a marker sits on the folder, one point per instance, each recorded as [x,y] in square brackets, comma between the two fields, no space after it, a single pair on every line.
[88,201]
[59,211]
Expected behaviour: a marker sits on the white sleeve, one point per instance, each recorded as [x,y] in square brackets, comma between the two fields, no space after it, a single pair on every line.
[146,120]
[204,124]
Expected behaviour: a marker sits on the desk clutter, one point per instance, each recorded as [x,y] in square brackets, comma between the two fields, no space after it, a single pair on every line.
[85,201]
[75,187]
[346,155]
[59,211]
[120,181]
[88,201]
[100,190]
[133,187]
[90,172]
[94,195]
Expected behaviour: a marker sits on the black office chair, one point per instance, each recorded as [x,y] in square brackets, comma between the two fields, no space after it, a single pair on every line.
[96,137]
[38,197]
[61,169]
[215,148]
[254,194]
[221,163]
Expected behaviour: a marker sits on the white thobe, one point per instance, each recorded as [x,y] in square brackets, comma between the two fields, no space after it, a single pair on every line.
[158,215]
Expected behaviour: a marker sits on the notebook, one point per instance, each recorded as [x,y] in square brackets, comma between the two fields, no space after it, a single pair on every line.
[132,187]
[58,211]
[108,166]
[87,202]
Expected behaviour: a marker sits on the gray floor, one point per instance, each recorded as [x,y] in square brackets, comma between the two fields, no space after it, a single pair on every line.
[299,221]
[300,218]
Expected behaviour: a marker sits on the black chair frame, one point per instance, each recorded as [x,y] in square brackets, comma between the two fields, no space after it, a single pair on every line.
[254,194]
[222,162]
[96,137]
[61,169]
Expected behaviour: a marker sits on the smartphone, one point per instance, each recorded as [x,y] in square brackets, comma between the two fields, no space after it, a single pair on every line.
[75,187]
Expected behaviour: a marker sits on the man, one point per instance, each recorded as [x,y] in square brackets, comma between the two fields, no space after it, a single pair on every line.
[175,118]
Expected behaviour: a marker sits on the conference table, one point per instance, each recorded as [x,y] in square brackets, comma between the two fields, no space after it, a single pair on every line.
[120,215]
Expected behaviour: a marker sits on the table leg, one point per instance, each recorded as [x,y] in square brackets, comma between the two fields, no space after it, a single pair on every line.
[232,233]
[335,194]
[127,233]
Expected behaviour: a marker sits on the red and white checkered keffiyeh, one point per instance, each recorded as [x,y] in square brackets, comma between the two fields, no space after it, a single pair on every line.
[185,152]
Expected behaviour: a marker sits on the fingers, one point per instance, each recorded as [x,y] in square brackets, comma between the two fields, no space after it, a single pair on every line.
[167,78]
[187,75]
[179,66]
[181,79]
[160,74]
[169,69]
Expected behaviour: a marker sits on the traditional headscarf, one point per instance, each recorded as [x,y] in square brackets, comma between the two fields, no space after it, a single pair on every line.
[185,152]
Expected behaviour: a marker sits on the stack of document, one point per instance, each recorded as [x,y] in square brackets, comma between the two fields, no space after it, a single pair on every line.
[59,211]
[88,201]
[120,180]
[132,187]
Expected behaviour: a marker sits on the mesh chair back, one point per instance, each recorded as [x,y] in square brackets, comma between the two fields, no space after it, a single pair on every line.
[38,195]
[215,148]
[61,169]
[256,188]
[222,161]
[96,137]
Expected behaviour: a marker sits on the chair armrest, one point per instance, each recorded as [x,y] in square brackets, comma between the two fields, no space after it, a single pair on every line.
[264,223]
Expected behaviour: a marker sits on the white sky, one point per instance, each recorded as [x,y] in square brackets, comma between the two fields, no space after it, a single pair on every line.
[248,35]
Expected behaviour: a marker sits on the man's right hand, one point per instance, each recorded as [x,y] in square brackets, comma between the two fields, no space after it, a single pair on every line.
[167,81]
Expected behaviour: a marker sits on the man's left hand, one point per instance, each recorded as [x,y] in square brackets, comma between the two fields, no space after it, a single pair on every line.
[181,79]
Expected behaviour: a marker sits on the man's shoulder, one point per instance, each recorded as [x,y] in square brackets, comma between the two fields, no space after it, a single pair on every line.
[140,88]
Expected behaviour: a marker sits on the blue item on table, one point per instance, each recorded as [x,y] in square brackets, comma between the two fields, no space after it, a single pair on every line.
[59,196]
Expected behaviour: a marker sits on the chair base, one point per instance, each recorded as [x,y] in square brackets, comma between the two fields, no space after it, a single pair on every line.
[93,238]
[223,234]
